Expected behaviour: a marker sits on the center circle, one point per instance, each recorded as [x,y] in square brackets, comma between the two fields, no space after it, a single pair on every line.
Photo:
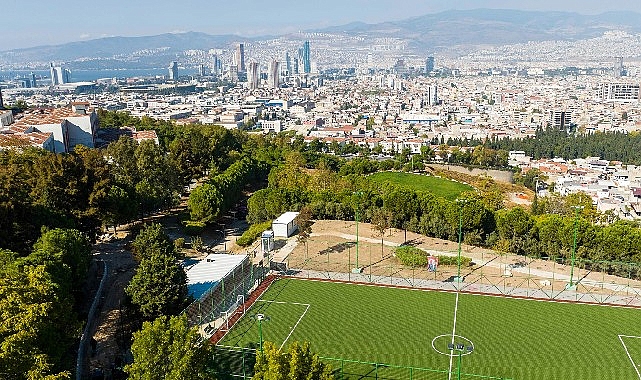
[457,340]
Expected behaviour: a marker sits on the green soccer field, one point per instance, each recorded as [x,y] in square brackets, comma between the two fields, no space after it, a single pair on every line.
[512,338]
[438,186]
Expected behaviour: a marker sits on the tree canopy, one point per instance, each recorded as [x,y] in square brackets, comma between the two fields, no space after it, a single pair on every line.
[167,349]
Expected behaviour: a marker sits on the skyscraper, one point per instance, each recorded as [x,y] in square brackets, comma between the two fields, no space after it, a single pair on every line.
[619,69]
[215,65]
[253,75]
[53,75]
[59,75]
[33,80]
[429,65]
[1,101]
[173,70]
[432,95]
[306,59]
[202,70]
[296,66]
[239,57]
[288,63]
[273,74]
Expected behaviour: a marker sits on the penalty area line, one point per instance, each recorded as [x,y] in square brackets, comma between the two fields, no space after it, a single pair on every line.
[636,368]
[294,328]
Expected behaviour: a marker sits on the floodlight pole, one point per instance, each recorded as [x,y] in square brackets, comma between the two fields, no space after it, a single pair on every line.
[460,203]
[260,318]
[358,195]
[576,226]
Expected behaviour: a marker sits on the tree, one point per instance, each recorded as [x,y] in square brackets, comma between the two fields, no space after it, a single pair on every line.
[167,349]
[120,207]
[29,322]
[68,246]
[153,239]
[205,203]
[382,220]
[159,286]
[297,363]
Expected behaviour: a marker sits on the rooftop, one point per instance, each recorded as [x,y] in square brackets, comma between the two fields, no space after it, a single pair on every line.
[208,272]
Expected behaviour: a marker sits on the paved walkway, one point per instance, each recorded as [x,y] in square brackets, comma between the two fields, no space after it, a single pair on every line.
[475,288]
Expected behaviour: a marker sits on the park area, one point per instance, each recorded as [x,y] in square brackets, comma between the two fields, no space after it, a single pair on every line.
[373,331]
[438,186]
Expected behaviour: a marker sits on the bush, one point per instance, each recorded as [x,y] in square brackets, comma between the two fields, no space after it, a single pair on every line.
[411,256]
[179,243]
[416,257]
[193,228]
[197,243]
[453,260]
[252,233]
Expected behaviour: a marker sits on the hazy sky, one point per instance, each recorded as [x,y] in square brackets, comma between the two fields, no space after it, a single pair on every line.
[27,23]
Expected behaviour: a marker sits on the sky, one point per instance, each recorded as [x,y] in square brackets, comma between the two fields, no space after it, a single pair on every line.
[27,23]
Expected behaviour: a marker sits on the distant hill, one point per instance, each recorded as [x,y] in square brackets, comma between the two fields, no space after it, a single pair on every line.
[431,32]
[494,27]
[141,50]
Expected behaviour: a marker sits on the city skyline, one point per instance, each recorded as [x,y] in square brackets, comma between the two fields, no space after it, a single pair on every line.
[118,18]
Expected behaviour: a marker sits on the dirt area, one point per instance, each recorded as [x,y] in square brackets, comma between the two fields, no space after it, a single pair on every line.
[332,248]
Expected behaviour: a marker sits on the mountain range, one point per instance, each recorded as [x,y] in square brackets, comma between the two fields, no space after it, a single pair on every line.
[432,32]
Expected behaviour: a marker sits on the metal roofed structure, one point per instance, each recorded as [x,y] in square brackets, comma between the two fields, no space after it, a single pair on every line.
[210,271]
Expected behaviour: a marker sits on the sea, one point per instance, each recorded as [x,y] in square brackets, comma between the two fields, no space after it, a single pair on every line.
[92,75]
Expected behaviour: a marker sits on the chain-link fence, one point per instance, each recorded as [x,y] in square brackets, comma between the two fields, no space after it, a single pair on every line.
[238,363]
[214,308]
[555,278]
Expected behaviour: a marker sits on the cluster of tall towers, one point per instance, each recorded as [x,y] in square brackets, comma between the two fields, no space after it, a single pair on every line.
[59,75]
[300,64]
[239,68]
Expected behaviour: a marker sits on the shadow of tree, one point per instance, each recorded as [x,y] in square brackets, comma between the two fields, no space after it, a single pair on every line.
[337,248]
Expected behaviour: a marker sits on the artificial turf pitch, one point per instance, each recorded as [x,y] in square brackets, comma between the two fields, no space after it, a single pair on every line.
[512,338]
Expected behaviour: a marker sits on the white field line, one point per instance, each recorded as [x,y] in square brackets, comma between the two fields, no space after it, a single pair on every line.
[294,328]
[636,368]
[449,376]
[284,302]
[297,322]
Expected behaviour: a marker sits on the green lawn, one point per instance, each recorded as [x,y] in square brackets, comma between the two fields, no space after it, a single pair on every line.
[438,186]
[518,339]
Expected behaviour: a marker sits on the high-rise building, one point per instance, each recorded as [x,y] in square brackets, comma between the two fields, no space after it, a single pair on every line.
[560,119]
[59,75]
[619,69]
[239,57]
[273,74]
[1,101]
[429,65]
[432,95]
[215,65]
[53,75]
[33,80]
[619,92]
[305,58]
[202,70]
[233,73]
[296,66]
[173,70]
[288,63]
[253,75]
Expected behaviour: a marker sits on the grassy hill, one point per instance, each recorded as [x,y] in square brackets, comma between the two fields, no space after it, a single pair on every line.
[438,186]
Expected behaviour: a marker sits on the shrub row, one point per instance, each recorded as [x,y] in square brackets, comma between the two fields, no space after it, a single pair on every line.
[416,257]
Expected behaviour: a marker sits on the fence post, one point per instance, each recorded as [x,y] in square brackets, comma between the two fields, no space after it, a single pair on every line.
[244,372]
